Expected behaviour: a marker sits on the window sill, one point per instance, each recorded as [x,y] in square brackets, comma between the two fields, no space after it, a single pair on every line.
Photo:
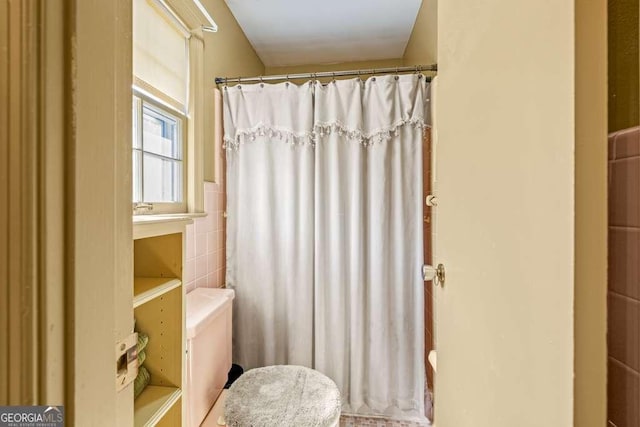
[167,216]
[161,224]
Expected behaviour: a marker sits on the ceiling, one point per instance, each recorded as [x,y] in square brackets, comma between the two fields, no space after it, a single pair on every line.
[296,32]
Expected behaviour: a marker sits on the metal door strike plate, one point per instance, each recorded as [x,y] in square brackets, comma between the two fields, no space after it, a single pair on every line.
[126,361]
[436,274]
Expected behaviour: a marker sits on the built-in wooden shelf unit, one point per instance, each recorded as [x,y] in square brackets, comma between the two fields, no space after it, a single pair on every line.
[158,303]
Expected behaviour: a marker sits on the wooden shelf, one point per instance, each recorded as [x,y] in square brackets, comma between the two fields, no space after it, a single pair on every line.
[147,288]
[158,225]
[158,308]
[153,404]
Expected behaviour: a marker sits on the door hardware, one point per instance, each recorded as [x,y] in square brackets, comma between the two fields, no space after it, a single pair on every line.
[437,274]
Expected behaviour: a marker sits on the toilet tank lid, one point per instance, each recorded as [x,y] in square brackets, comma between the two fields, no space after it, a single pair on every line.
[203,305]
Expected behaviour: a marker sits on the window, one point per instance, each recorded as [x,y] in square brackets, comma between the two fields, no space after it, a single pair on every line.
[160,68]
[158,155]
[168,82]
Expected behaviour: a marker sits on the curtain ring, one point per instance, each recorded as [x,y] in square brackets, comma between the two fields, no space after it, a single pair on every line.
[334,76]
[261,82]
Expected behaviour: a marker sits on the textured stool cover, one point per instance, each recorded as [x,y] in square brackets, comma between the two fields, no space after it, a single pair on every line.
[283,396]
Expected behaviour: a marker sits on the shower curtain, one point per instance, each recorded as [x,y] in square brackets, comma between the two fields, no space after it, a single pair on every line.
[324,233]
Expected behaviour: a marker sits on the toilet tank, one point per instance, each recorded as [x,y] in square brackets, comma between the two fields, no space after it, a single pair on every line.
[208,317]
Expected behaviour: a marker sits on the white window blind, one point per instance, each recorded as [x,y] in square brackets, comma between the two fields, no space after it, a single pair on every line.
[160,53]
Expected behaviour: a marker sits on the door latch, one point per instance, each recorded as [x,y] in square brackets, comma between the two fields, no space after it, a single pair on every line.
[126,361]
[436,274]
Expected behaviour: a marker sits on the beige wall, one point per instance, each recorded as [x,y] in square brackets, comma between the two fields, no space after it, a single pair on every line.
[520,219]
[422,47]
[226,53]
[623,64]
[356,65]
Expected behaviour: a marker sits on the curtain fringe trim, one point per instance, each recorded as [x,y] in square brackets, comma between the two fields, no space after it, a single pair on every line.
[321,130]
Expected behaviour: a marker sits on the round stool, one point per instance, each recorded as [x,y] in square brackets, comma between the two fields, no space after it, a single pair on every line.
[283,396]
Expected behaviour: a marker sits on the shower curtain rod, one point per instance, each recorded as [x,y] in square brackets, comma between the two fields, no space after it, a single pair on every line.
[388,70]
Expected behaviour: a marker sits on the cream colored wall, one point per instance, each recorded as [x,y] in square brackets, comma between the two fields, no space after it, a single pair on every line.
[226,53]
[355,65]
[590,306]
[422,47]
[510,190]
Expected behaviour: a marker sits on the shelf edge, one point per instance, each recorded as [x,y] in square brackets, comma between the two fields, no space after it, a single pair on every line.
[166,406]
[149,226]
[155,292]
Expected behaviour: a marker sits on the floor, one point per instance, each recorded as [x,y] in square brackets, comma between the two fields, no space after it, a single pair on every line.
[346,421]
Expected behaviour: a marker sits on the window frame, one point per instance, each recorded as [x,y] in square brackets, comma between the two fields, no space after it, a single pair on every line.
[140,99]
[191,19]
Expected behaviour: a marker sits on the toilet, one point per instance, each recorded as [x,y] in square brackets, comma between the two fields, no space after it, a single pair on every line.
[288,394]
[208,325]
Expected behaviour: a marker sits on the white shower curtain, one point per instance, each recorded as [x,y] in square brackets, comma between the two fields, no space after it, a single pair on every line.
[270,222]
[324,234]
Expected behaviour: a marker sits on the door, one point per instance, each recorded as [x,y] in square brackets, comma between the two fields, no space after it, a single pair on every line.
[505,134]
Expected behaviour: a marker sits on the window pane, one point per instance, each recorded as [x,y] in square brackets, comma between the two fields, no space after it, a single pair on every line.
[157,154]
[137,176]
[160,134]
[162,179]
